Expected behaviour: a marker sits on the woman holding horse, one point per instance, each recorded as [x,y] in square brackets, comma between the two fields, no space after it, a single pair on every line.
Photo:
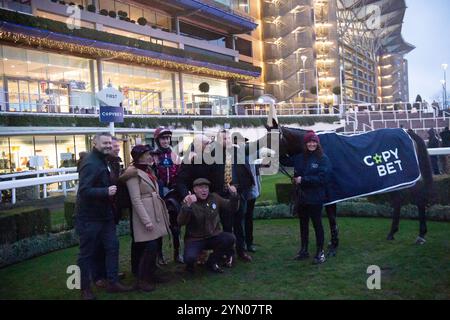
[311,175]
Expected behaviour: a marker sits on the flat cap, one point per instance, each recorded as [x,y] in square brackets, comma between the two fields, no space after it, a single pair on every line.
[201,181]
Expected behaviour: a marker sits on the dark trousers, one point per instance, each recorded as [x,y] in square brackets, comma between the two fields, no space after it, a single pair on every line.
[435,165]
[249,222]
[313,212]
[234,223]
[147,259]
[220,244]
[91,234]
[98,271]
[137,248]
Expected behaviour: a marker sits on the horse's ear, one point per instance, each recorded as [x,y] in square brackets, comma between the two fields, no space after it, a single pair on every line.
[275,124]
[273,127]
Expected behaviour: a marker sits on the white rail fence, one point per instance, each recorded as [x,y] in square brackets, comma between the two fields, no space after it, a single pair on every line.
[64,178]
[39,178]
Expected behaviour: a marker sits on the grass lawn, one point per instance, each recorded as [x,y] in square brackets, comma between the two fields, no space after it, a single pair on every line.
[268,187]
[408,271]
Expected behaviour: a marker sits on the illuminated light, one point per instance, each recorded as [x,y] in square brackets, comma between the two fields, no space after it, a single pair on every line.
[5,59]
[323,25]
[34,42]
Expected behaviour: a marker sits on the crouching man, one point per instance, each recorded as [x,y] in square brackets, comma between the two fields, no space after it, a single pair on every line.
[201,214]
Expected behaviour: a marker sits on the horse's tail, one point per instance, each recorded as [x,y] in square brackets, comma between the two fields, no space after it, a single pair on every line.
[424,159]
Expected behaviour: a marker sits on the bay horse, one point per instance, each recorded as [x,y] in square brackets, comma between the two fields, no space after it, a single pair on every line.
[291,143]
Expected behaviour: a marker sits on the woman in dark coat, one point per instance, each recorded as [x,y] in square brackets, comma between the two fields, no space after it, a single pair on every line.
[311,175]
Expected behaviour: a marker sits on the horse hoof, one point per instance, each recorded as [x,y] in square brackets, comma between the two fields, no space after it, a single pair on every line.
[420,240]
[331,250]
[331,253]
[390,237]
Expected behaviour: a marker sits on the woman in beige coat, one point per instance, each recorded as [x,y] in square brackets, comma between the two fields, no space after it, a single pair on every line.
[150,219]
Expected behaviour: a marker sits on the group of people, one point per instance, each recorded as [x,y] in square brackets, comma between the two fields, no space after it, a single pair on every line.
[213,201]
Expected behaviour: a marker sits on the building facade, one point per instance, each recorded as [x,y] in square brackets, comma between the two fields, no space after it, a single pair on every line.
[55,56]
[317,48]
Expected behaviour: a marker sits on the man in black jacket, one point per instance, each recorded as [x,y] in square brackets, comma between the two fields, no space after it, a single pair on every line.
[95,217]
[114,162]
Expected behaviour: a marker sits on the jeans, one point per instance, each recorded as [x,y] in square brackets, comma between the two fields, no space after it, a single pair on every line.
[220,244]
[92,233]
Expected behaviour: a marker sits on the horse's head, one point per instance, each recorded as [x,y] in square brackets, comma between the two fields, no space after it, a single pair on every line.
[290,139]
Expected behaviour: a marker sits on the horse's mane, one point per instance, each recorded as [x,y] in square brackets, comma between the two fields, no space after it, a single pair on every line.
[423,157]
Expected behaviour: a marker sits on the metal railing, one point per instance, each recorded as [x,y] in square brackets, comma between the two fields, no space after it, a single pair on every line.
[64,178]
[11,181]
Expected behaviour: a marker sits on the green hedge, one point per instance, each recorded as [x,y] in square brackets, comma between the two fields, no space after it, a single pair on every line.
[17,224]
[69,212]
[43,244]
[92,34]
[373,210]
[151,122]
[440,194]
[272,212]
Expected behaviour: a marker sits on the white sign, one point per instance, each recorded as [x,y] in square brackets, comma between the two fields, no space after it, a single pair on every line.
[36,161]
[110,97]
[66,156]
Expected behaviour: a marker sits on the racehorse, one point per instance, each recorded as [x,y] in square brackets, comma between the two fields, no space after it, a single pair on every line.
[291,143]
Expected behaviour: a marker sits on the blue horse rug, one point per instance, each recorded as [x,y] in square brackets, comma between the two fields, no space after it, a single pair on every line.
[370,163]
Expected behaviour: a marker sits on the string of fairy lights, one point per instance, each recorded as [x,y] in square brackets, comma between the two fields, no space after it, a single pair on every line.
[94,52]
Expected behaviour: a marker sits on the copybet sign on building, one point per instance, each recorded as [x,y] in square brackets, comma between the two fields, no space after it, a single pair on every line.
[110,108]
[370,163]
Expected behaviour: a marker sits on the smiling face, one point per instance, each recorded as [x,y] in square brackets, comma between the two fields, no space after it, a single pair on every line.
[146,158]
[115,148]
[311,146]
[164,141]
[202,191]
[103,144]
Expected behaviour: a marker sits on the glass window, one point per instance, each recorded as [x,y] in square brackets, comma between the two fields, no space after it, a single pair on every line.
[146,90]
[106,4]
[46,82]
[5,156]
[192,92]
[163,21]
[120,6]
[81,145]
[135,13]
[22,149]
[150,16]
[45,148]
[66,151]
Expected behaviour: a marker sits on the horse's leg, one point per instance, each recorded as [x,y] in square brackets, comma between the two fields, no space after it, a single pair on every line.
[334,242]
[423,224]
[396,206]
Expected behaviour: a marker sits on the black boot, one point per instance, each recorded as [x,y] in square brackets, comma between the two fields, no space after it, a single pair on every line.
[320,257]
[303,253]
[334,243]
